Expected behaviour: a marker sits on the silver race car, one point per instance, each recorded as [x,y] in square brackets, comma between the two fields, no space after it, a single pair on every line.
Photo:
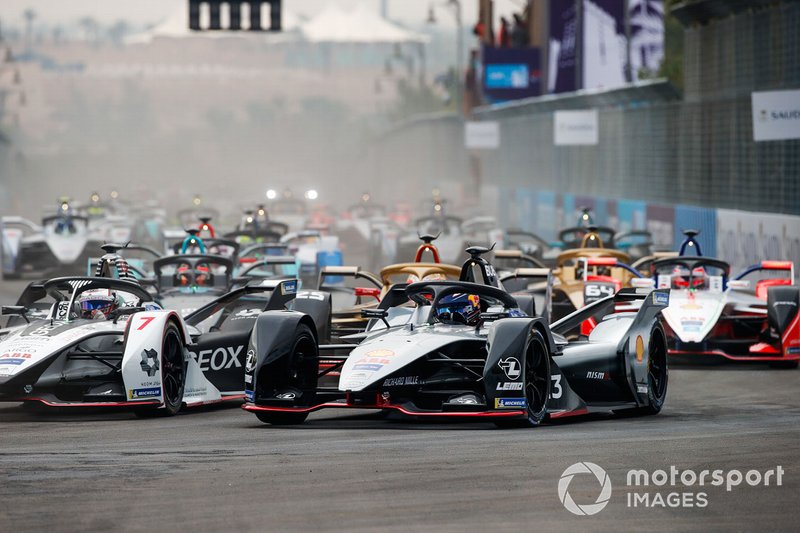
[464,349]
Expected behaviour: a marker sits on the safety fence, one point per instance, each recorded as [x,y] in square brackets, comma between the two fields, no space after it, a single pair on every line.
[652,143]
[740,237]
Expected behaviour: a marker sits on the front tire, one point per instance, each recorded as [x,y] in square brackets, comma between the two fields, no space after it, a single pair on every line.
[303,362]
[173,375]
[537,383]
[657,376]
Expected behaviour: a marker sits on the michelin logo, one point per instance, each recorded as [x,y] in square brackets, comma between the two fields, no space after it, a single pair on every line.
[510,403]
[150,392]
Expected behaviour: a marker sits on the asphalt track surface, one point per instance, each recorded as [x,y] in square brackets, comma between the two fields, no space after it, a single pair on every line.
[220,469]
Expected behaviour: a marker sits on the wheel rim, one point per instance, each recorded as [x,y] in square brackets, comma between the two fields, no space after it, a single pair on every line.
[536,380]
[172,376]
[657,366]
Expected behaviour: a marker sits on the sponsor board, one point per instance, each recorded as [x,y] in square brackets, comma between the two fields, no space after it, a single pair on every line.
[660,298]
[289,287]
[219,358]
[576,128]
[368,367]
[401,381]
[149,392]
[510,403]
[195,391]
[509,386]
[776,115]
[482,135]
[510,367]
[149,362]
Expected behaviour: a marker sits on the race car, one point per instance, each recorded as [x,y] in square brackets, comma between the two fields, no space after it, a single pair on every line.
[714,316]
[313,251]
[103,342]
[353,290]
[61,243]
[187,282]
[465,350]
[581,276]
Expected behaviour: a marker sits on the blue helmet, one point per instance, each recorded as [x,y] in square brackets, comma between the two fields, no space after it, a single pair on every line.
[459,309]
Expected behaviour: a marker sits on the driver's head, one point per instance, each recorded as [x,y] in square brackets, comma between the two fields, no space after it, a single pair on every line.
[459,309]
[97,304]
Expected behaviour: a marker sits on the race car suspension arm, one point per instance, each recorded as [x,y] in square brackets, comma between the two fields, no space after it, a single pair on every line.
[333,367]
[98,356]
[459,363]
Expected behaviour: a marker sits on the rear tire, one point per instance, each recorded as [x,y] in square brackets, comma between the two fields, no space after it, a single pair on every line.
[537,383]
[302,359]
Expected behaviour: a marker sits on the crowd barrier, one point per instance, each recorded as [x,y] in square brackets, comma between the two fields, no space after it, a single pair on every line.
[741,238]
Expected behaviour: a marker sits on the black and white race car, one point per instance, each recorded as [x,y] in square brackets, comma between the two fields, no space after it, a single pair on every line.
[104,342]
[464,349]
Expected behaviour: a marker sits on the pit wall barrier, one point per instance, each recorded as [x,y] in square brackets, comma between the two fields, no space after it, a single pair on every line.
[741,238]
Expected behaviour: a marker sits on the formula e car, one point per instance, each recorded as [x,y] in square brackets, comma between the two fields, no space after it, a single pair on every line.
[60,243]
[135,357]
[464,350]
[57,351]
[715,316]
[581,276]
[352,290]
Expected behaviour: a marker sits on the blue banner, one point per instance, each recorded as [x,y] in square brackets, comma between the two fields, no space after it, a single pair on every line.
[511,73]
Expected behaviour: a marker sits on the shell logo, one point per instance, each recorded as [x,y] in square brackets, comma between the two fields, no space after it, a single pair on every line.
[639,348]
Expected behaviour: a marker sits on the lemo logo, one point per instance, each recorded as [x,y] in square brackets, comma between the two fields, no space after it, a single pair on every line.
[602,498]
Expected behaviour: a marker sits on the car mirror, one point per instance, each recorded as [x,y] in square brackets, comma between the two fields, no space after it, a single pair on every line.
[17,310]
[739,284]
[378,314]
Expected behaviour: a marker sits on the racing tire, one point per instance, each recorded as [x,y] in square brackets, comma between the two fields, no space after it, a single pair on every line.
[303,348]
[657,376]
[173,375]
[537,383]
[784,364]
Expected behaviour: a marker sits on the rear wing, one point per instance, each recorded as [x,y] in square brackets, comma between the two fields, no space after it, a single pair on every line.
[653,301]
[535,274]
[520,256]
[281,293]
[349,272]
[774,266]
[609,262]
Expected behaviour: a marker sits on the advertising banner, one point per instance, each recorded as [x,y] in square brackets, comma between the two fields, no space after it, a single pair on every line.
[482,135]
[511,73]
[646,35]
[562,57]
[776,115]
[579,127]
[604,50]
[661,224]
[700,219]
[746,238]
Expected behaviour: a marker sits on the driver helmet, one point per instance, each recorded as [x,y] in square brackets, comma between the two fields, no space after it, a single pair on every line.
[97,304]
[459,308]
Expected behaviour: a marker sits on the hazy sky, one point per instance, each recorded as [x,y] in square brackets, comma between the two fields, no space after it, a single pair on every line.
[145,11]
